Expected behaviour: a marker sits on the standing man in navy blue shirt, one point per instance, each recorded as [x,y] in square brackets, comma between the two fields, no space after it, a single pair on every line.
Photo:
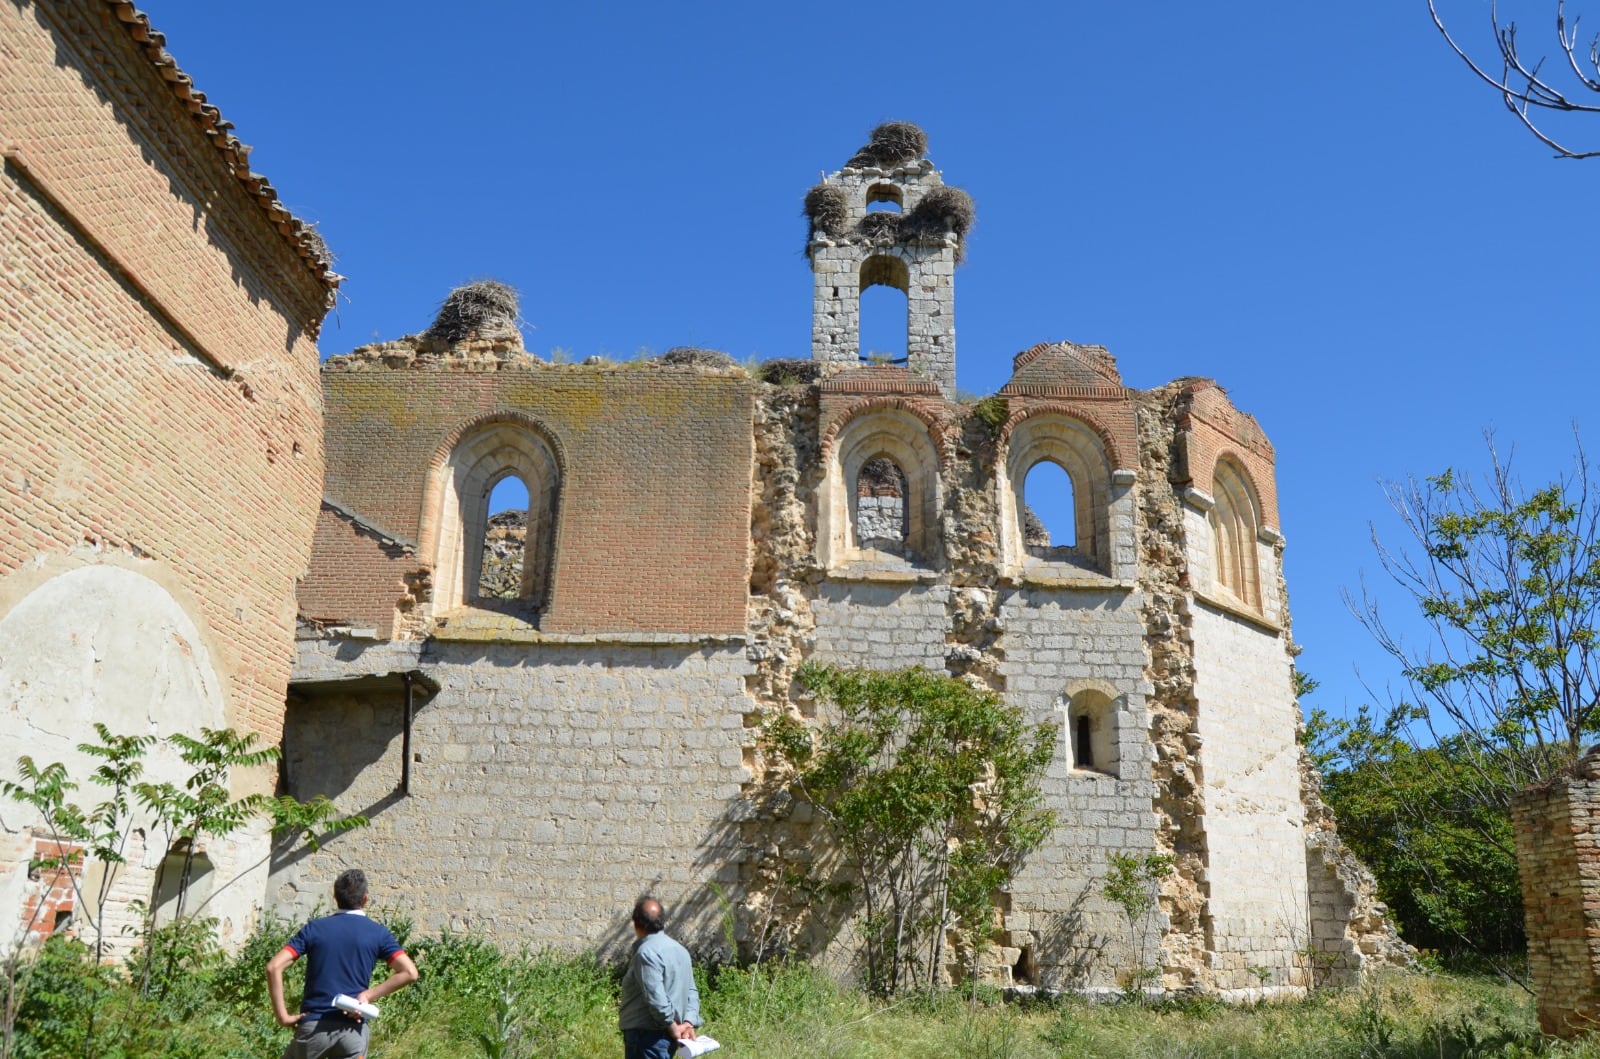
[340,952]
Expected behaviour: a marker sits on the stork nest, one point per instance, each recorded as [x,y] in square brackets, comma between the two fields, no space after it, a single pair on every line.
[829,209]
[788,371]
[486,309]
[692,356]
[875,225]
[944,209]
[890,144]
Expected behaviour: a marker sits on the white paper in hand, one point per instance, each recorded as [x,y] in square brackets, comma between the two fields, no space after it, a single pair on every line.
[355,1007]
[698,1046]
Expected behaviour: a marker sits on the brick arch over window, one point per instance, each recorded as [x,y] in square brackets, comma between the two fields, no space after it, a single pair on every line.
[466,470]
[904,440]
[1235,519]
[1079,450]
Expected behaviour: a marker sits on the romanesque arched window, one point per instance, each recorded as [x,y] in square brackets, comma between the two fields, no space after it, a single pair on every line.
[883,314]
[1091,731]
[1058,476]
[485,457]
[1234,526]
[880,493]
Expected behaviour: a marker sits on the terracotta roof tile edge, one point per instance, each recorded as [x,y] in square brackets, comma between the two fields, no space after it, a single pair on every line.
[235,154]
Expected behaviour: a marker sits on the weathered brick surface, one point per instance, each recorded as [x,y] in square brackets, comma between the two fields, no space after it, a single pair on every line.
[160,413]
[653,531]
[1557,832]
[115,431]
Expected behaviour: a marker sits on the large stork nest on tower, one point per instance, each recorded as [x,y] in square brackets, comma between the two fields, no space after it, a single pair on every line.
[944,209]
[828,208]
[890,144]
[486,309]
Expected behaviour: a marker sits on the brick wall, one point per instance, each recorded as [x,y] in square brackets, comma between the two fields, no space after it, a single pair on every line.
[160,415]
[140,274]
[1557,832]
[653,515]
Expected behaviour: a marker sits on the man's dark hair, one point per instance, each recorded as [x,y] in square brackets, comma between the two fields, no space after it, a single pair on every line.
[647,915]
[350,889]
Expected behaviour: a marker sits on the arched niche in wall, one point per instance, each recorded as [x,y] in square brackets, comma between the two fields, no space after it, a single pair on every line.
[486,453]
[1235,520]
[872,441]
[1092,741]
[1076,448]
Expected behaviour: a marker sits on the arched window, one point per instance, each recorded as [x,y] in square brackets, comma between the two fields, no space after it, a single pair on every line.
[1091,729]
[884,312]
[504,540]
[1055,502]
[1233,533]
[880,521]
[881,482]
[169,881]
[497,462]
[885,198]
[1049,512]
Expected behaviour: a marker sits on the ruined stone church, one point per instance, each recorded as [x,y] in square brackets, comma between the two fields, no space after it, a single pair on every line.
[545,714]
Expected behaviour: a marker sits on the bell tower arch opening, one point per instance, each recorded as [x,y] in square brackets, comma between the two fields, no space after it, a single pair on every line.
[887,219]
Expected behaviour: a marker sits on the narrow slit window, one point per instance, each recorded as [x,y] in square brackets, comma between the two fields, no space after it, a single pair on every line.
[1082,744]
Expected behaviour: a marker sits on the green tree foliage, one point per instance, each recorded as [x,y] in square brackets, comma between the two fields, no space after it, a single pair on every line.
[1507,582]
[931,788]
[1133,884]
[1409,814]
[1501,692]
[186,814]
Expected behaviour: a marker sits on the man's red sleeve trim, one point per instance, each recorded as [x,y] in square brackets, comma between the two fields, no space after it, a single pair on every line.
[397,954]
[291,950]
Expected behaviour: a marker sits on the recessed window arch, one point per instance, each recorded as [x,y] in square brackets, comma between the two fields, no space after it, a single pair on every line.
[1057,468]
[881,451]
[1091,731]
[885,198]
[1235,523]
[169,883]
[475,474]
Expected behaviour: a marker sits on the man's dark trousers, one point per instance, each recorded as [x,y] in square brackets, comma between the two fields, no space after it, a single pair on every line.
[646,1044]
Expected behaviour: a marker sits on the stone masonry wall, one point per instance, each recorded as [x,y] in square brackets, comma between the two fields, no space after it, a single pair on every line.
[1557,832]
[551,785]
[1194,703]
[1259,908]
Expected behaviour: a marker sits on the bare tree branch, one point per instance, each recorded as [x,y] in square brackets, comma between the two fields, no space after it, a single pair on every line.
[1523,87]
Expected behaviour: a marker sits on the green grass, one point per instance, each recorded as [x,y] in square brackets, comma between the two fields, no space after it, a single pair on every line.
[475,1000]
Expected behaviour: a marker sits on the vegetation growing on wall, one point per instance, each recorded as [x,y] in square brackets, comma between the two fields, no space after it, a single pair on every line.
[186,815]
[931,787]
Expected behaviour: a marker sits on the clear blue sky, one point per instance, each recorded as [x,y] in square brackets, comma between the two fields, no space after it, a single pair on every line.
[1312,203]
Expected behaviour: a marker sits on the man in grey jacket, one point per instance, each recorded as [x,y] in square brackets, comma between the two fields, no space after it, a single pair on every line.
[660,1004]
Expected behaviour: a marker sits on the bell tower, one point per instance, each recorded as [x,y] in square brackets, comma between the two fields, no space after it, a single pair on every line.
[913,244]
